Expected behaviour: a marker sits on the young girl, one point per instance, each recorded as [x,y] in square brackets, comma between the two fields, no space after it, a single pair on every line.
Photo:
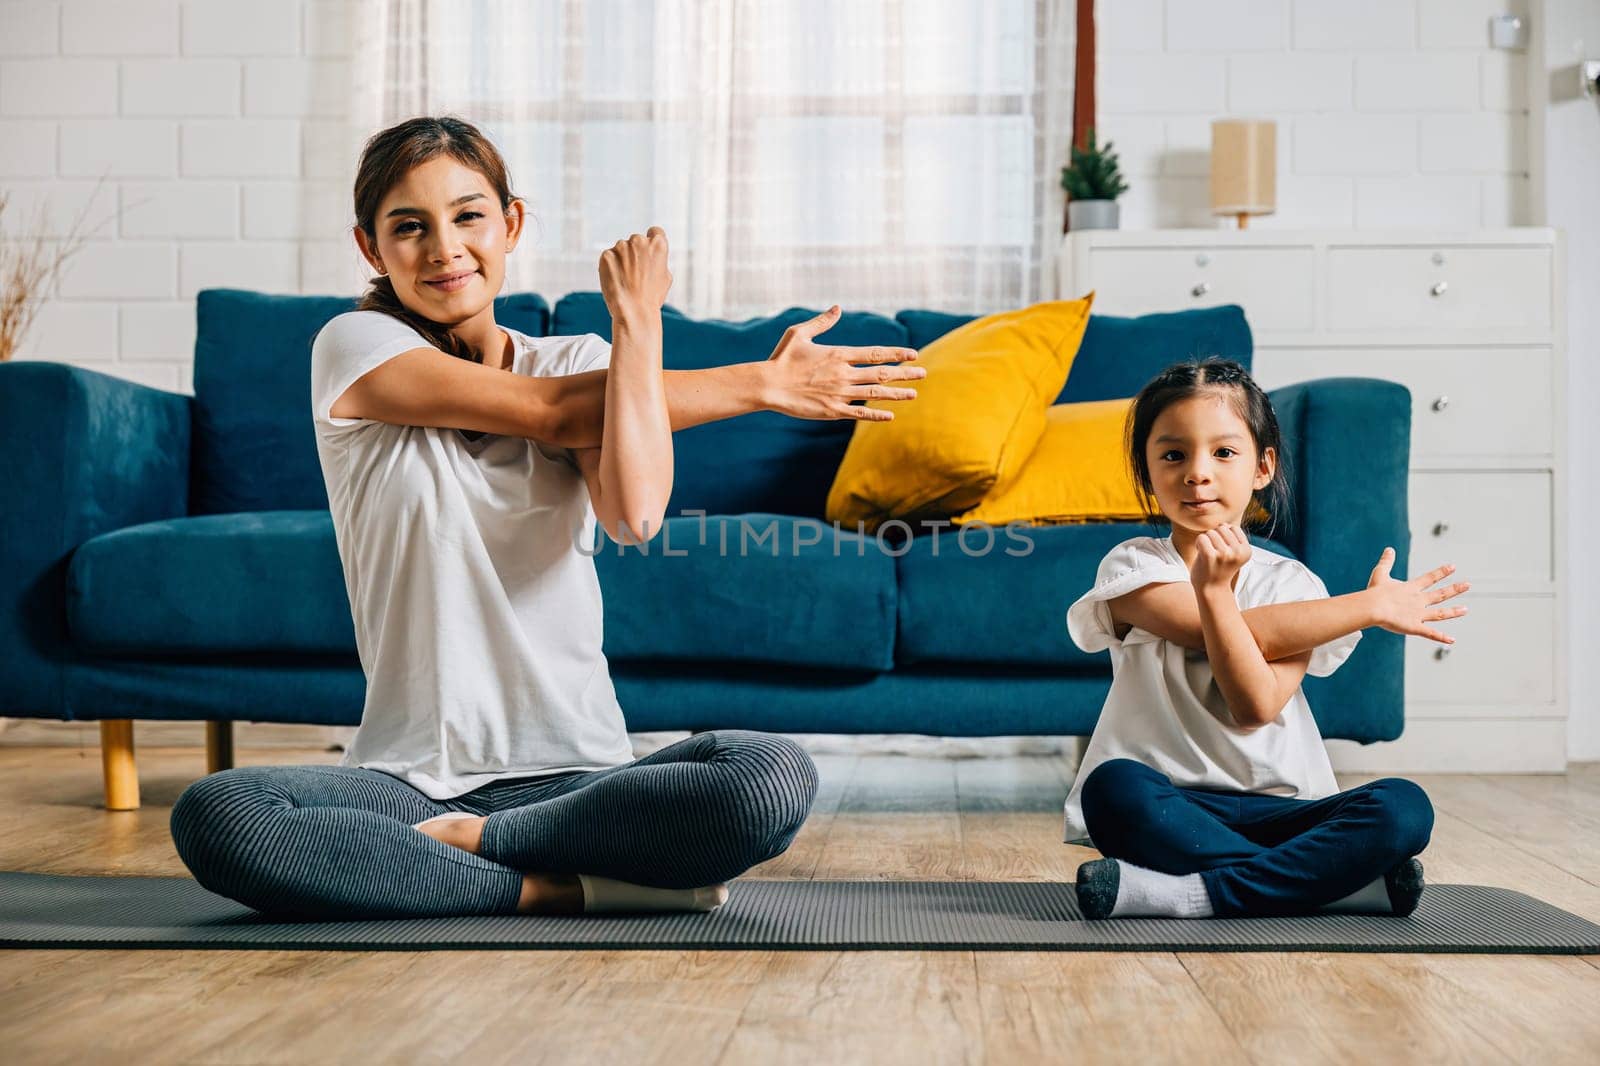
[467,465]
[1206,784]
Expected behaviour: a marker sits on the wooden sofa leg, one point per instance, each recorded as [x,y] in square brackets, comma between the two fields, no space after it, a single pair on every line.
[116,758]
[219,746]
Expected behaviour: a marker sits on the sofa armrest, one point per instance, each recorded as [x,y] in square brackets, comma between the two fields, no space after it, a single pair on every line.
[1349,447]
[85,453]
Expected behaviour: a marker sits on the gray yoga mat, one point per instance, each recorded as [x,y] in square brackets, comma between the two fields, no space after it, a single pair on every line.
[45,910]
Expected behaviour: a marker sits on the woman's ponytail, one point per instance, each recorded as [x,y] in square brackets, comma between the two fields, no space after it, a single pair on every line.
[380,296]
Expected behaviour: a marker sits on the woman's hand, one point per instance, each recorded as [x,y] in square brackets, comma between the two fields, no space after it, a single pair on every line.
[634,278]
[810,380]
[1407,606]
[1222,552]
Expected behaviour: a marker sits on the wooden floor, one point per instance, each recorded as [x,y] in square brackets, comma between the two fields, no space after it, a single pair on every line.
[876,817]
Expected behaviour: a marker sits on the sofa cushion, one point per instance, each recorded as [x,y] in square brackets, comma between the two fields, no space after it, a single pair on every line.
[1077,472]
[963,600]
[265,581]
[759,462]
[757,588]
[1119,355]
[761,588]
[253,445]
[977,418]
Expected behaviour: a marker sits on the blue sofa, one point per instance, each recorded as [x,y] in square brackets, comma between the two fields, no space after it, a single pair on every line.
[172,557]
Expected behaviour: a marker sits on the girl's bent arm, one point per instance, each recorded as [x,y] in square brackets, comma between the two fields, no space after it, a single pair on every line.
[1254,689]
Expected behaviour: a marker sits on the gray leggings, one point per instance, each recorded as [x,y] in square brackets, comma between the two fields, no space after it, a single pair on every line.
[321,842]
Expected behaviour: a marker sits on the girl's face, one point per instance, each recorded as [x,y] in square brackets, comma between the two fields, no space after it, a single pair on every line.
[1201,450]
[443,239]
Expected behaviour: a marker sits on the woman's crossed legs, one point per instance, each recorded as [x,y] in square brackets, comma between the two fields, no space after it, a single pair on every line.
[320,842]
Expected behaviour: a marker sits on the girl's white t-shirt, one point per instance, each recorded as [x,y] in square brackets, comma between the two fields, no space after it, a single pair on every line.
[1165,709]
[477,613]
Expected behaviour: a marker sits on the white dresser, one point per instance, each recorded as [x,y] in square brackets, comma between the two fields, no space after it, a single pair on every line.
[1471,323]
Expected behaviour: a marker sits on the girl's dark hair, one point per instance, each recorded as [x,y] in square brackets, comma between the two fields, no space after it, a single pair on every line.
[388,157]
[1198,377]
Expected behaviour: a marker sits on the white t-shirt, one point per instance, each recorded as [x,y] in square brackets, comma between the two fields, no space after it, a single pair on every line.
[477,616]
[1165,709]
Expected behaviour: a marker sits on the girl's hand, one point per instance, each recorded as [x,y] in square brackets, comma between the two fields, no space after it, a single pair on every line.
[634,278]
[1222,552]
[1407,606]
[810,380]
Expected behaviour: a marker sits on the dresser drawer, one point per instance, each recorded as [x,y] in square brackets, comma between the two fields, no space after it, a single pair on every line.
[1275,286]
[1474,402]
[1494,525]
[1503,654]
[1443,287]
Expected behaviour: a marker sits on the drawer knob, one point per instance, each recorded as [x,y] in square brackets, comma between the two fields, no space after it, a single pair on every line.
[1438,259]
[1440,653]
[1200,289]
[1202,259]
[1441,403]
[1441,528]
[1439,287]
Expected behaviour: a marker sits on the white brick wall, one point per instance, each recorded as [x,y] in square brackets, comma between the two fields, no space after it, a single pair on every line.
[1389,112]
[219,129]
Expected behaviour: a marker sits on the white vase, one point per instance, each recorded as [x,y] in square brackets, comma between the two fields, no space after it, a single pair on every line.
[1091,214]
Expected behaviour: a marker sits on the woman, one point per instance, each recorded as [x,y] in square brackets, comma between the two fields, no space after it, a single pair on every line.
[467,465]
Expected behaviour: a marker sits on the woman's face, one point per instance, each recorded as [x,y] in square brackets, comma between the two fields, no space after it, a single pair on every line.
[1200,449]
[443,239]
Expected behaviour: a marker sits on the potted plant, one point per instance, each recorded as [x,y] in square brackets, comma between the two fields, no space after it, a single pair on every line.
[1093,183]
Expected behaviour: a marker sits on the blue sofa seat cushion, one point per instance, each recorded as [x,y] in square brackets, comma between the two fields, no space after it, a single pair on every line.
[754,588]
[759,462]
[265,581]
[1118,355]
[761,588]
[980,605]
[254,446]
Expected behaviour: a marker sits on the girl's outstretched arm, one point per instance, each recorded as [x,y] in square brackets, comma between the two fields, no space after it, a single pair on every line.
[1172,611]
[1282,630]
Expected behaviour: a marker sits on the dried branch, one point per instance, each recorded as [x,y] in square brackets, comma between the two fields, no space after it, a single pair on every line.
[31,264]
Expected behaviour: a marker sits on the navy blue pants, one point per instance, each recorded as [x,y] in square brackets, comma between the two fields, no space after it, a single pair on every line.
[327,842]
[1258,855]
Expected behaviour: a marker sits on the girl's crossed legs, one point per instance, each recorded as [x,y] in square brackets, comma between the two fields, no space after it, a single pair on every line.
[1256,854]
[319,842]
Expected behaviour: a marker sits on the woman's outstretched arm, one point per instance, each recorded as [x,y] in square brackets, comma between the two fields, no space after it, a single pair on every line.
[801,378]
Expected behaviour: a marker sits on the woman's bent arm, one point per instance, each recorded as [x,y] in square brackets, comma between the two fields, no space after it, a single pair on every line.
[634,473]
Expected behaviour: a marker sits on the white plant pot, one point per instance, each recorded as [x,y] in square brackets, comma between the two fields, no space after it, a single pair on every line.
[1092,214]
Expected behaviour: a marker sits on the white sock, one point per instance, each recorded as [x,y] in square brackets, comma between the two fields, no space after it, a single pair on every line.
[604,894]
[1373,899]
[1143,892]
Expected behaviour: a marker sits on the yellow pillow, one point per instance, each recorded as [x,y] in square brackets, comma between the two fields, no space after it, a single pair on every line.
[977,416]
[1078,473]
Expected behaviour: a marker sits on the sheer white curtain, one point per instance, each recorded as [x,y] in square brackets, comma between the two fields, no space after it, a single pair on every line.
[879,154]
